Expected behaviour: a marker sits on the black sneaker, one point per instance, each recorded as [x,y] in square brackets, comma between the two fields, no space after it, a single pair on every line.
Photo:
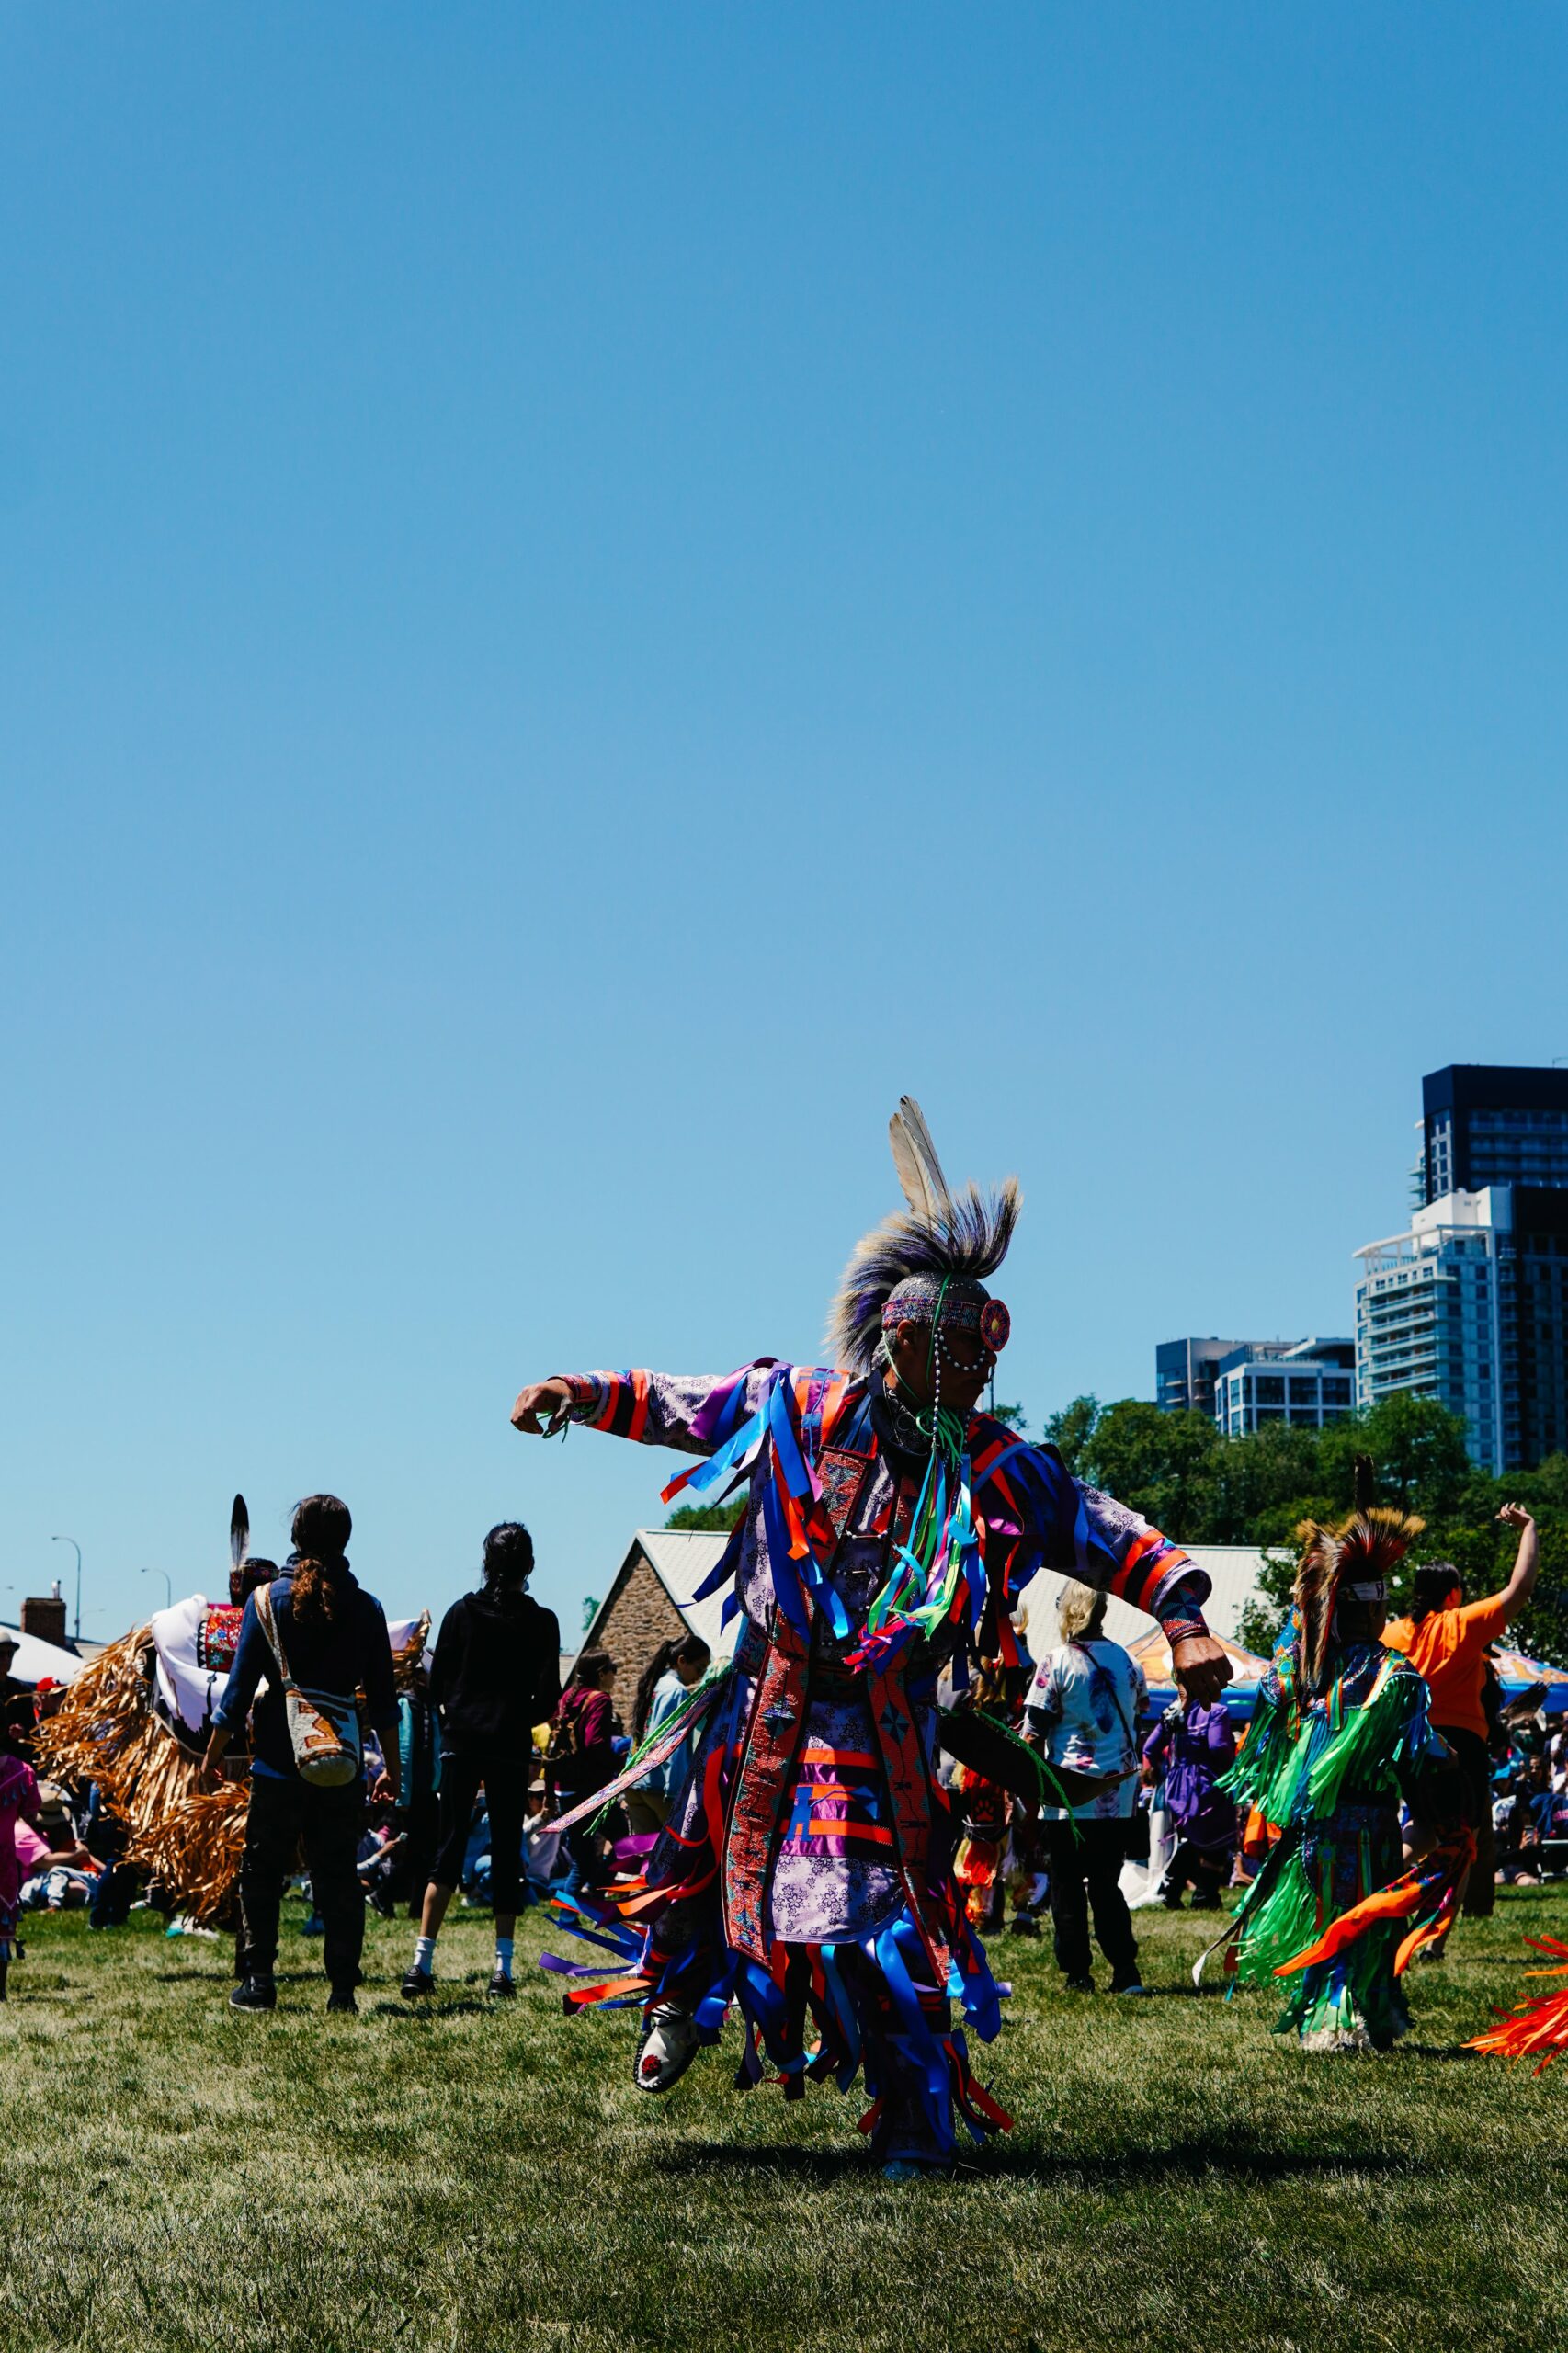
[1133,1984]
[502,1986]
[341,1998]
[1080,1985]
[254,1993]
[418,1980]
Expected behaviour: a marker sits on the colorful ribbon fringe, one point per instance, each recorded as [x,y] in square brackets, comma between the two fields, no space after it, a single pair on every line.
[1535,2027]
[939,1578]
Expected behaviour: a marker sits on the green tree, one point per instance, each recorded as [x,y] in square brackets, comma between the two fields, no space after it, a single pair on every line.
[1417,1449]
[1161,1465]
[1258,1483]
[1071,1430]
[1268,1607]
[719,1517]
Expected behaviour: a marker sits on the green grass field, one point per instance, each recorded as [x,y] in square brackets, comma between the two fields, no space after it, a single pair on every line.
[471,2176]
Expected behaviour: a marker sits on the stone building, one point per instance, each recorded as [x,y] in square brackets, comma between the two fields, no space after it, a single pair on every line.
[651,1602]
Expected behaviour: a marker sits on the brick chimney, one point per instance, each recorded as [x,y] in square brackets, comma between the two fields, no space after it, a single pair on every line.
[46,1619]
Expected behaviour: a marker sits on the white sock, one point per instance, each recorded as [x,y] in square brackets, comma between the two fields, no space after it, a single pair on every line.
[504,1954]
[424,1953]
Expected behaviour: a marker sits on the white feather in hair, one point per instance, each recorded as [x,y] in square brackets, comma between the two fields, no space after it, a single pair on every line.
[964,1235]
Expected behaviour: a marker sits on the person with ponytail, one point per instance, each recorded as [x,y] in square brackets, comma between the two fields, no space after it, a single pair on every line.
[496,1674]
[332,1636]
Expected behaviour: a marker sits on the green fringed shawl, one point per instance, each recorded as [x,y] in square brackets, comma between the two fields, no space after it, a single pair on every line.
[1295,1767]
[1296,1762]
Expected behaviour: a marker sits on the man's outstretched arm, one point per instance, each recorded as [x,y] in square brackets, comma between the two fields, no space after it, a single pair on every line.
[1091,1536]
[694,1412]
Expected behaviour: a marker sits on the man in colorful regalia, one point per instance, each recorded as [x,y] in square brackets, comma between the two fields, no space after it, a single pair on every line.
[1341,1731]
[807,1871]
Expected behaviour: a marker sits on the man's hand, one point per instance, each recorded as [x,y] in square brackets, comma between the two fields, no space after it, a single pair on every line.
[1516,1515]
[1201,1668]
[210,1771]
[541,1398]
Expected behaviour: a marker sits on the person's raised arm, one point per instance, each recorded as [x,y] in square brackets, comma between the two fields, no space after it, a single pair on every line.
[694,1412]
[1518,1590]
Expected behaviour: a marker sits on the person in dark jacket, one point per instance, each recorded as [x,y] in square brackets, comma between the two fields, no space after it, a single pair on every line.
[496,1674]
[332,1635]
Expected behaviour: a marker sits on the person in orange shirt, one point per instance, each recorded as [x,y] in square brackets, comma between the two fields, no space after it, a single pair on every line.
[1445,1639]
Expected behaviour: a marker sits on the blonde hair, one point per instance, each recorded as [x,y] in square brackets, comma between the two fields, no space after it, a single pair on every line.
[1080,1613]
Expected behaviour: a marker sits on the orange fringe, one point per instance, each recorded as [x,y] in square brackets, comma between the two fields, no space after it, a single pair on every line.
[1536,2026]
[1421,1888]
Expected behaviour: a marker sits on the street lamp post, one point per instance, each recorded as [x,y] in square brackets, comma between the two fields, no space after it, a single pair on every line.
[77,1550]
[168,1585]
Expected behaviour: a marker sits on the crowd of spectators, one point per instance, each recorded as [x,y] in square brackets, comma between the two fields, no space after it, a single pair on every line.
[455,1737]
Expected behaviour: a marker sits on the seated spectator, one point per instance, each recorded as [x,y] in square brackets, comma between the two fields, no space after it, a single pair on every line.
[58,1879]
[541,1844]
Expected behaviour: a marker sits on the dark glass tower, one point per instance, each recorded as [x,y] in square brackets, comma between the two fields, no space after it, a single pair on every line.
[1485,1125]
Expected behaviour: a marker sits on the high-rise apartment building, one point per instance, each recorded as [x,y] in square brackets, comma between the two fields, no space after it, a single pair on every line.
[1429,1315]
[1484,1125]
[1470,1306]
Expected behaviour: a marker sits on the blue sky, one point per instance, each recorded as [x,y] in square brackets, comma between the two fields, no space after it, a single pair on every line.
[588,595]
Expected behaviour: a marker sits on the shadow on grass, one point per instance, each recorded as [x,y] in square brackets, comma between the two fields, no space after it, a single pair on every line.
[430,2012]
[1189,2159]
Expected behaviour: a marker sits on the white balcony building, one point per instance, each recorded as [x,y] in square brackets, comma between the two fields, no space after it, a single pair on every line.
[1429,1313]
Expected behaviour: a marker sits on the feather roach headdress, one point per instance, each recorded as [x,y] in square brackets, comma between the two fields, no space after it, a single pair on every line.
[1355,1558]
[926,1262]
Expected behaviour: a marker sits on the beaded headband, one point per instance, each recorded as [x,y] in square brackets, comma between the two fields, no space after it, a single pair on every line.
[967,1307]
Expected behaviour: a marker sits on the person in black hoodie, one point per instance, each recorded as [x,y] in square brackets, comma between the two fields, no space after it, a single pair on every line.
[496,1674]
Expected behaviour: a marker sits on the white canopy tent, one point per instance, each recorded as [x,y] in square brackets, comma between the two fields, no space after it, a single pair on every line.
[40,1662]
